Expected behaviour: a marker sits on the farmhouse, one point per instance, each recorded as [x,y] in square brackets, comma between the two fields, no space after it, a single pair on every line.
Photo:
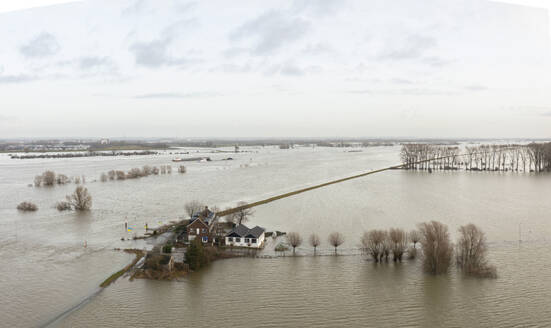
[242,236]
[201,226]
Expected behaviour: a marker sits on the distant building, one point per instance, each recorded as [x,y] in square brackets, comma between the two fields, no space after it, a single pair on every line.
[242,236]
[104,141]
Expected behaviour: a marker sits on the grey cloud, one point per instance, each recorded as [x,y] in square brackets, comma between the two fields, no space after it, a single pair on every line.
[90,63]
[410,47]
[43,45]
[271,31]
[175,95]
[476,87]
[5,79]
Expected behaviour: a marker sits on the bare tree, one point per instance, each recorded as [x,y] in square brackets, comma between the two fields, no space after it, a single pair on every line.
[336,239]
[146,170]
[385,247]
[77,180]
[399,242]
[414,237]
[48,178]
[243,214]
[372,243]
[38,180]
[63,206]
[294,240]
[80,200]
[193,207]
[155,170]
[111,174]
[62,179]
[471,252]
[134,173]
[314,241]
[181,169]
[120,175]
[437,247]
[27,206]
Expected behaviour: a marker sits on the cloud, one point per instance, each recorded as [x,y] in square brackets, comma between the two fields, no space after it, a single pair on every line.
[289,68]
[21,78]
[175,95]
[407,47]
[43,45]
[318,49]
[271,31]
[96,63]
[319,7]
[476,88]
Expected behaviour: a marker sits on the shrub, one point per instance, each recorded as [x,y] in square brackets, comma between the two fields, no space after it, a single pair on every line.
[437,247]
[80,199]
[38,180]
[63,206]
[196,256]
[182,169]
[48,178]
[27,206]
[62,179]
[120,175]
[167,248]
[134,173]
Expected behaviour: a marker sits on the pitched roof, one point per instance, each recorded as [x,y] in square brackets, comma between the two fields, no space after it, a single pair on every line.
[243,231]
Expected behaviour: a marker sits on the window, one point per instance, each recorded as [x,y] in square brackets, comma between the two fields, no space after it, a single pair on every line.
[247,240]
[198,230]
[205,239]
[204,230]
[230,239]
[237,239]
[253,240]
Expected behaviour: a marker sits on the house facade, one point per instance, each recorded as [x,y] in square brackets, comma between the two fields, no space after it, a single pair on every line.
[198,229]
[242,236]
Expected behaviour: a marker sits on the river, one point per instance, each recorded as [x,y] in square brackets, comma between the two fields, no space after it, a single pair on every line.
[49,278]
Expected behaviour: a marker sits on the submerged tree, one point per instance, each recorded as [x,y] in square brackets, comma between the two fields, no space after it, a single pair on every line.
[80,199]
[437,247]
[398,243]
[314,241]
[471,252]
[336,239]
[27,206]
[48,178]
[294,240]
[372,243]
[414,237]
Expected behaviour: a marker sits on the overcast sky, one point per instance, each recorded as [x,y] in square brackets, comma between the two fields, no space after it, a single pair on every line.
[378,68]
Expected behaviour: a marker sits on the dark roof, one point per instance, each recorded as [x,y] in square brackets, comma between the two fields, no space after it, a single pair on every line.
[243,231]
[206,217]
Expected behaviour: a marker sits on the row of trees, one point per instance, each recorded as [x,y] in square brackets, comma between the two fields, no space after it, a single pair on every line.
[49,178]
[533,157]
[136,172]
[436,246]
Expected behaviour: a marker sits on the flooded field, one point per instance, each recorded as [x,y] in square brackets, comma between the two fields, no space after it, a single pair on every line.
[50,278]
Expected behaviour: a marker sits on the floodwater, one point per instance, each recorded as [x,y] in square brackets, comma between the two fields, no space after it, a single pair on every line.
[47,277]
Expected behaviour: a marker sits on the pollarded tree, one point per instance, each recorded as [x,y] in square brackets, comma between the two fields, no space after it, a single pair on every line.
[294,240]
[243,213]
[372,243]
[414,237]
[471,252]
[48,178]
[314,241]
[398,243]
[336,239]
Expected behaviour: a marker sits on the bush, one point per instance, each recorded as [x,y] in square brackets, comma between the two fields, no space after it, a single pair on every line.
[48,178]
[196,256]
[62,179]
[182,169]
[80,199]
[134,173]
[167,248]
[120,175]
[27,206]
[38,180]
[63,206]
[437,247]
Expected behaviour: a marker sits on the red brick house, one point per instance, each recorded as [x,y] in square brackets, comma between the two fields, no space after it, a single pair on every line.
[198,229]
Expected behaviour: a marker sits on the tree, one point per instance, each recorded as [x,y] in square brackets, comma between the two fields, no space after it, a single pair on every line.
[294,240]
[196,256]
[120,175]
[336,239]
[193,207]
[181,169]
[48,178]
[437,247]
[372,243]
[471,252]
[63,206]
[398,239]
[38,180]
[243,214]
[314,241]
[62,179]
[80,200]
[414,237]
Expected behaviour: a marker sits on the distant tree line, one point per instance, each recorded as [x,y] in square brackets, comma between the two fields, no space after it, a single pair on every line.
[50,178]
[136,172]
[84,154]
[533,157]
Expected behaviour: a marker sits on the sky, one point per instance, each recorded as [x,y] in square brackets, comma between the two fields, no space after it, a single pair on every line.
[303,68]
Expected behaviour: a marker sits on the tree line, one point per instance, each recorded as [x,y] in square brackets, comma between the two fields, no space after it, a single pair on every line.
[533,157]
[137,172]
[437,249]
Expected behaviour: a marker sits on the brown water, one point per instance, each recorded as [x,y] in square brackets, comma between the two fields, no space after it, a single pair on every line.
[45,271]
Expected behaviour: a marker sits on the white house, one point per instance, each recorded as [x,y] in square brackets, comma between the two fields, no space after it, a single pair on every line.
[242,236]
